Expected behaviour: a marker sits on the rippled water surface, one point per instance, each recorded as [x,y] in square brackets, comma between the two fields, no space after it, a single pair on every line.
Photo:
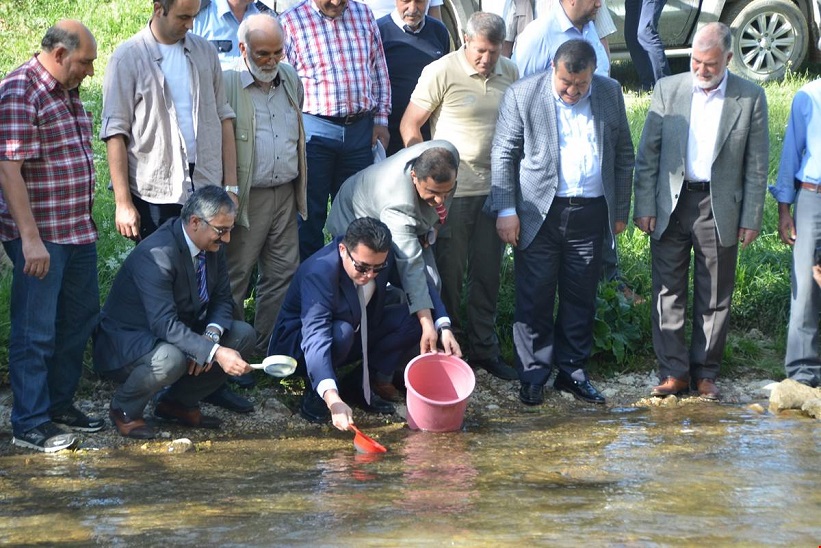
[702,475]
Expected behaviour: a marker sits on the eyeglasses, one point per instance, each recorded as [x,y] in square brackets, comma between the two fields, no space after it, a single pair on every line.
[221,231]
[363,268]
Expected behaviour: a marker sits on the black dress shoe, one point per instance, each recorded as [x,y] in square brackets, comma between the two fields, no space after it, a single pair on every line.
[583,390]
[378,405]
[497,367]
[531,394]
[225,398]
[313,408]
[246,380]
[187,416]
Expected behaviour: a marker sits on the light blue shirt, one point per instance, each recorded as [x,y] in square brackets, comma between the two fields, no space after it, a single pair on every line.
[801,154]
[579,162]
[537,44]
[217,24]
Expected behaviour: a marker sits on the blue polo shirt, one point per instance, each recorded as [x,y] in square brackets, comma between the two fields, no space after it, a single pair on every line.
[217,24]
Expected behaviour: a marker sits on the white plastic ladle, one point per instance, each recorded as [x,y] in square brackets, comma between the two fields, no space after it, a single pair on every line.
[276,365]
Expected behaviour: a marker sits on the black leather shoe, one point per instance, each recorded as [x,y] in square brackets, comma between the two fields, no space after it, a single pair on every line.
[583,391]
[244,381]
[313,408]
[225,398]
[497,367]
[378,405]
[531,394]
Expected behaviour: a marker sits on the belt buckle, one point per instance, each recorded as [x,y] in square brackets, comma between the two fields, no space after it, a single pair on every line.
[575,200]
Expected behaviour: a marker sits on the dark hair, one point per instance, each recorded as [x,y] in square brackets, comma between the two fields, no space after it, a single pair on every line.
[56,36]
[486,25]
[165,5]
[370,232]
[206,203]
[576,55]
[435,163]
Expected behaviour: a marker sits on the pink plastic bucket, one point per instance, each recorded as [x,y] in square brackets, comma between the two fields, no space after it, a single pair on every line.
[438,390]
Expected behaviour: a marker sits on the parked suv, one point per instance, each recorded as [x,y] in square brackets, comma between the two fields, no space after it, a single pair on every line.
[769,36]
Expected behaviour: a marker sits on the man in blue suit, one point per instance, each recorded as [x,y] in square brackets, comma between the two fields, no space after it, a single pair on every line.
[168,319]
[338,303]
[562,163]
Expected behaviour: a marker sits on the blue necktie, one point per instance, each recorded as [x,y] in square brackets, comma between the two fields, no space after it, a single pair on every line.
[202,284]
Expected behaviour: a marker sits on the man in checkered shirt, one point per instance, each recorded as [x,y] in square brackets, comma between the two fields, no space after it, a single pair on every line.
[47,180]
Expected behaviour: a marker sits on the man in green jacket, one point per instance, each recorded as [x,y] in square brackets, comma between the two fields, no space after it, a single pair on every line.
[271,175]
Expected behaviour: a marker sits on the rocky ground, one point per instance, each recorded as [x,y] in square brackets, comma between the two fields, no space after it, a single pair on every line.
[276,407]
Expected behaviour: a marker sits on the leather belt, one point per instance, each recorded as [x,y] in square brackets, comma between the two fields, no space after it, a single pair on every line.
[697,186]
[346,120]
[576,200]
[812,187]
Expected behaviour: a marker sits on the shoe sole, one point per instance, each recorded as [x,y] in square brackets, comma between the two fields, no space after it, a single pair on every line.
[88,429]
[27,445]
[580,398]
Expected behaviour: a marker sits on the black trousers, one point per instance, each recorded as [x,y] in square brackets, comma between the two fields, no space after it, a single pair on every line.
[565,260]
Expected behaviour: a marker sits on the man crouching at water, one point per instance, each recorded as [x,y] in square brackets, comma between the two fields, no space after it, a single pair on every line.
[338,308]
[168,319]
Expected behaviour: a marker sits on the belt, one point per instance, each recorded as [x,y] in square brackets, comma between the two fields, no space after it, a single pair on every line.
[697,186]
[346,120]
[812,187]
[576,200]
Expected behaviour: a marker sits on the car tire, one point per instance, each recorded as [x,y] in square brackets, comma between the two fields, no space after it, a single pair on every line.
[769,37]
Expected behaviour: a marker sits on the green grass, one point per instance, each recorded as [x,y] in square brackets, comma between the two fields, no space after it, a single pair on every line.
[760,302]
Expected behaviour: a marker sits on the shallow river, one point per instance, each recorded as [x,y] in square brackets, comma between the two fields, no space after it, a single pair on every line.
[699,475]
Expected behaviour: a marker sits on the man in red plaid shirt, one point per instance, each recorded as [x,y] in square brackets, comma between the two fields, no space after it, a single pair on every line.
[336,49]
[47,181]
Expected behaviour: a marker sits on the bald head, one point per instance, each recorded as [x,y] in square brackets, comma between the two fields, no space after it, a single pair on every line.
[262,45]
[68,52]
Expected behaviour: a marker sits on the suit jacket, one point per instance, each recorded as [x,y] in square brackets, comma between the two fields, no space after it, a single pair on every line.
[154,299]
[525,153]
[740,160]
[385,191]
[322,293]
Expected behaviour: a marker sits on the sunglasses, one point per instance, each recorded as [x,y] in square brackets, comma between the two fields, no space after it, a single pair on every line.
[363,268]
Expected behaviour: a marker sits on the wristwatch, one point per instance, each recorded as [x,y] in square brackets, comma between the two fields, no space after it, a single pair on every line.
[213,335]
[233,189]
[442,328]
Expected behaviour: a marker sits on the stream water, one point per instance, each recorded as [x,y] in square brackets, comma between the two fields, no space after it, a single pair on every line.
[699,475]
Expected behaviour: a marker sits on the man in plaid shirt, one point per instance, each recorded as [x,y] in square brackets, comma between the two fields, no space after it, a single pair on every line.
[336,49]
[47,181]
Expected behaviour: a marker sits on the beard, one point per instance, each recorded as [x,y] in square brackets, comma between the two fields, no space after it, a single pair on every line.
[263,75]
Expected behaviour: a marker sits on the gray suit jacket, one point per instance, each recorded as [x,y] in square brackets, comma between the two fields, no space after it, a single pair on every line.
[525,154]
[740,160]
[385,191]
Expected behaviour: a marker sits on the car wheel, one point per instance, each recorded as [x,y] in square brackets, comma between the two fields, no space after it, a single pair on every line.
[769,37]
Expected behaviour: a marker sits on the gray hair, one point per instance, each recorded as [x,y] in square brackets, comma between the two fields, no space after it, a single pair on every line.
[486,25]
[57,36]
[206,203]
[247,22]
[713,35]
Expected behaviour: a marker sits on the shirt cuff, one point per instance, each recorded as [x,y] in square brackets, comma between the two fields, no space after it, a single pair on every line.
[218,326]
[325,385]
[444,320]
[380,120]
[507,212]
[211,354]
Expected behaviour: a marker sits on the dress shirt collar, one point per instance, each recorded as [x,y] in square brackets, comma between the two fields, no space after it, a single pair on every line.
[721,90]
[397,19]
[192,247]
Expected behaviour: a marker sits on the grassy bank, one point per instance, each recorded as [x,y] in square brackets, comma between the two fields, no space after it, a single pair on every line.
[761,300]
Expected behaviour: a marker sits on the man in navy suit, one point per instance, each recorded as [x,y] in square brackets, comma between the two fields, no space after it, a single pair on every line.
[168,319]
[321,322]
[562,163]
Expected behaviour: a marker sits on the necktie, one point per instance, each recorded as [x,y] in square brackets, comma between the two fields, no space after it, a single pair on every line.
[202,284]
[442,211]
[363,334]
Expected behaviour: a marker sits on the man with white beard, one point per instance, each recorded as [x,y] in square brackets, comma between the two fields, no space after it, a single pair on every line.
[267,98]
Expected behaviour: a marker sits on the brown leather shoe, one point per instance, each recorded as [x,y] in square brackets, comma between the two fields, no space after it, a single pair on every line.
[670,387]
[130,427]
[387,391]
[708,390]
[187,416]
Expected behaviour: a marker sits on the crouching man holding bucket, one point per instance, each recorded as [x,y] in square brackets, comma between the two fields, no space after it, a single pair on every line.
[339,309]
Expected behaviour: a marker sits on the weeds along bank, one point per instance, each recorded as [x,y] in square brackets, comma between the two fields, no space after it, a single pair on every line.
[621,333]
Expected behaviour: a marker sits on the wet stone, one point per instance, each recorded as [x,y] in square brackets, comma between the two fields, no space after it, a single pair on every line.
[180,445]
[789,394]
[812,408]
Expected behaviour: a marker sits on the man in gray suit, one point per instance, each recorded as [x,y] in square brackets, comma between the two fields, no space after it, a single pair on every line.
[700,182]
[409,192]
[562,162]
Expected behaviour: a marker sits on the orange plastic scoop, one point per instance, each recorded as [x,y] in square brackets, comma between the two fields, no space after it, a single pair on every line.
[366,444]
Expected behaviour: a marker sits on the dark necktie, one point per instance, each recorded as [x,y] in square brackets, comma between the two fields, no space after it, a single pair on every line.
[202,284]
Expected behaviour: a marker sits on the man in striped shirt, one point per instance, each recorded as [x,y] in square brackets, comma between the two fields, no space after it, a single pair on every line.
[336,49]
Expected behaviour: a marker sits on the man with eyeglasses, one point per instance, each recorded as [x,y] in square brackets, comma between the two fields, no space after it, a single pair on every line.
[339,309]
[167,320]
[410,193]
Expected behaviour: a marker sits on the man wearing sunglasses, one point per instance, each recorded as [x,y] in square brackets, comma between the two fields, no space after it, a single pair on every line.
[168,320]
[339,309]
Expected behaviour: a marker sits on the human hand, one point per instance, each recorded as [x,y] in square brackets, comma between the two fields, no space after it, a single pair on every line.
[127,220]
[429,339]
[341,414]
[231,362]
[619,227]
[746,236]
[36,256]
[816,274]
[450,344]
[645,224]
[382,134]
[786,228]
[508,229]
[195,368]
